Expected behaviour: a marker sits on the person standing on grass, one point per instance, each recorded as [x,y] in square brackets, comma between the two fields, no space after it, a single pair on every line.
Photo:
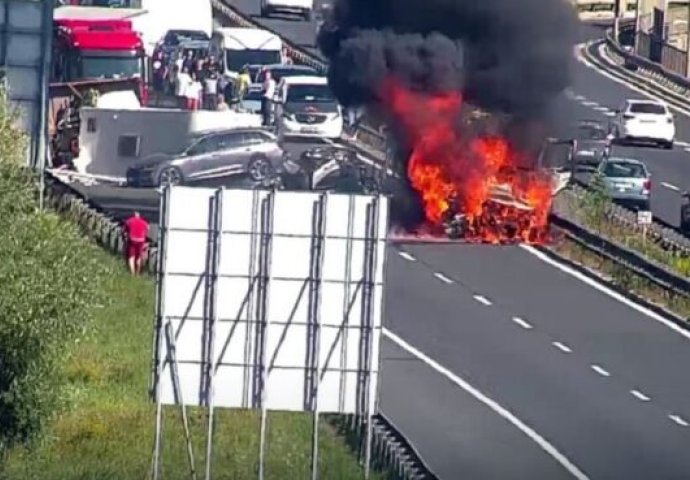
[136,234]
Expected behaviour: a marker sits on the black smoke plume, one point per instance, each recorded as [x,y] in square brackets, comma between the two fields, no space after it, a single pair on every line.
[510,56]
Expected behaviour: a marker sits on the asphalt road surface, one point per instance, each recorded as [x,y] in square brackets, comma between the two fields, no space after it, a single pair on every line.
[498,364]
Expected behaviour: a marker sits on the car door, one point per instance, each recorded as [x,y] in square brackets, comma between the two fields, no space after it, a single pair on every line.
[201,158]
[230,158]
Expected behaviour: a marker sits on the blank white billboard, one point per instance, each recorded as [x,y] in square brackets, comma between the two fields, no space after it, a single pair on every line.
[283,284]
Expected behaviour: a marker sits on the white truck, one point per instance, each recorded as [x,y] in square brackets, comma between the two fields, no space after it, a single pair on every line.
[237,47]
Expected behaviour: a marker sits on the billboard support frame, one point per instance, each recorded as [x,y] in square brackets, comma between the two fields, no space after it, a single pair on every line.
[264,336]
[267,211]
[210,366]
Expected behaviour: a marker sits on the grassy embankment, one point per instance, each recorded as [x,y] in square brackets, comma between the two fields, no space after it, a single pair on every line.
[106,431]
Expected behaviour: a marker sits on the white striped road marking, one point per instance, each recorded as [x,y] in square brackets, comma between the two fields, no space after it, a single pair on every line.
[597,285]
[522,323]
[530,433]
[670,186]
[600,371]
[407,256]
[482,300]
[686,149]
[579,98]
[610,114]
[682,143]
[580,57]
[442,277]
[602,109]
[589,103]
[562,347]
[640,396]
[679,420]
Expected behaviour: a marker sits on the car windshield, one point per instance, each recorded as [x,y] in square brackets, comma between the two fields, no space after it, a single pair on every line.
[177,36]
[591,132]
[310,94]
[110,67]
[279,73]
[236,59]
[624,170]
[653,108]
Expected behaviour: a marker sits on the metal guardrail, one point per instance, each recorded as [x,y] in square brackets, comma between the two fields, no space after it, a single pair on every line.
[96,224]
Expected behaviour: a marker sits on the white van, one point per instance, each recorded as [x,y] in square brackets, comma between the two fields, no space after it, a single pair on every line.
[236,47]
[306,107]
[301,7]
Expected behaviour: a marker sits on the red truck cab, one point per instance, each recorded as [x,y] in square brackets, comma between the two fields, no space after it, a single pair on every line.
[88,50]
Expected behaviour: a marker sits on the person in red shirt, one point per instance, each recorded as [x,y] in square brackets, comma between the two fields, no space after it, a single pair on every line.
[136,234]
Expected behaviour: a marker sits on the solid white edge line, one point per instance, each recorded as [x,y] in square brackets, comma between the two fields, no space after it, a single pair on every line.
[600,371]
[679,420]
[492,404]
[639,395]
[670,186]
[481,299]
[606,290]
[442,277]
[406,256]
[562,347]
[522,323]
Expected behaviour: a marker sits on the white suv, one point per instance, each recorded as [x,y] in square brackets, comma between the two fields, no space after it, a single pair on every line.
[302,7]
[646,121]
[306,107]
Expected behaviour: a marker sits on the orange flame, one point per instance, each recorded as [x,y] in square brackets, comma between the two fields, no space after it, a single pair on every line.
[500,201]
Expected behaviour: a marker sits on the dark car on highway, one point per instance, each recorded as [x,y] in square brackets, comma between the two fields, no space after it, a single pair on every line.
[252,151]
[592,139]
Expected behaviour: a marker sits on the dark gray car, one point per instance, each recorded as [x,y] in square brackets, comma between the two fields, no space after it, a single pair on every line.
[593,142]
[255,152]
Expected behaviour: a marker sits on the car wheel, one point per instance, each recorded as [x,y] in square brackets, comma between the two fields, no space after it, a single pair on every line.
[169,176]
[259,169]
[668,145]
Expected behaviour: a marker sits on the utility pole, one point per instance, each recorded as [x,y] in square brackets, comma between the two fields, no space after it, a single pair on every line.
[638,15]
[687,43]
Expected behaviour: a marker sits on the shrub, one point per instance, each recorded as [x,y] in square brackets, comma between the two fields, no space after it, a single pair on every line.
[49,283]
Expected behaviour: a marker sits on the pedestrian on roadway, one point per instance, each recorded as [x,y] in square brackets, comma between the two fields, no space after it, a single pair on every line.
[267,96]
[136,233]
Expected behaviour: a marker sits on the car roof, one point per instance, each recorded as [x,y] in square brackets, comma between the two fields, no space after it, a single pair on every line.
[305,80]
[633,161]
[645,102]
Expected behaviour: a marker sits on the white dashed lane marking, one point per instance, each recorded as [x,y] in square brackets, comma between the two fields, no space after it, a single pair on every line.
[482,300]
[407,256]
[601,109]
[562,347]
[442,277]
[522,323]
[670,186]
[589,103]
[640,396]
[600,371]
[678,420]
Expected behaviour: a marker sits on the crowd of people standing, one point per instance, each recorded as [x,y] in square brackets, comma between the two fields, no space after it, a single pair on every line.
[194,79]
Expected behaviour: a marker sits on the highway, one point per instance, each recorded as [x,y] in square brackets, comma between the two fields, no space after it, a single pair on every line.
[500,364]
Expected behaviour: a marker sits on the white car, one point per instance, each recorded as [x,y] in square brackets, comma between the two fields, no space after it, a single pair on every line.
[306,107]
[301,7]
[646,121]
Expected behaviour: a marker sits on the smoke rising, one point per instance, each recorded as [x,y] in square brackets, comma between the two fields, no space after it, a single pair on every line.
[510,56]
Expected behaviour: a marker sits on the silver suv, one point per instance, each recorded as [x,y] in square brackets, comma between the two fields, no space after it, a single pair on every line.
[627,181]
[252,151]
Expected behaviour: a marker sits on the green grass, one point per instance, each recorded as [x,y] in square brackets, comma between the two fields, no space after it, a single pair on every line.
[106,429]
